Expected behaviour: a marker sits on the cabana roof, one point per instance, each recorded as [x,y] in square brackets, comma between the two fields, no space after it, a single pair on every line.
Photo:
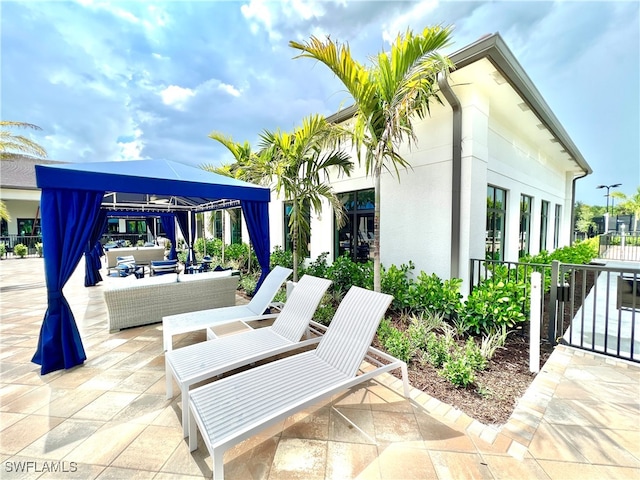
[151,185]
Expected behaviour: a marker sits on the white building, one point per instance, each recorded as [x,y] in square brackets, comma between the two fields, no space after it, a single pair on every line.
[493,174]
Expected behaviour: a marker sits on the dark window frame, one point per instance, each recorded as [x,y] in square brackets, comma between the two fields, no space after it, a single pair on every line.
[494,244]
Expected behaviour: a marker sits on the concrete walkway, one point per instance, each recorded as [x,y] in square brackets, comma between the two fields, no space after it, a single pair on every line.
[108,419]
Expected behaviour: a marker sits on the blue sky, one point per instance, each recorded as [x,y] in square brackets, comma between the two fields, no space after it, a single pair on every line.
[115,80]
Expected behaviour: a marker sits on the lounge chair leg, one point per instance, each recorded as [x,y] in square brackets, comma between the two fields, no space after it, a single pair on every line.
[185,410]
[167,339]
[405,379]
[218,464]
[192,432]
[168,379]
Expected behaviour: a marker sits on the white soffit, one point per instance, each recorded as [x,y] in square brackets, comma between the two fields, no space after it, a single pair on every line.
[510,109]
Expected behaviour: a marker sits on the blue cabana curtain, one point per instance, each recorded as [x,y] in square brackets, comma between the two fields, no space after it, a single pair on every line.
[94,251]
[256,215]
[169,227]
[65,213]
[151,226]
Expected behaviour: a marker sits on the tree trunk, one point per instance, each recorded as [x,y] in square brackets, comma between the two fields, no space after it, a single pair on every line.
[294,238]
[376,234]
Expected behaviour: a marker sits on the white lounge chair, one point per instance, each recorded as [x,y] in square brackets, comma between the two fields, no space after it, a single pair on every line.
[237,407]
[205,360]
[204,319]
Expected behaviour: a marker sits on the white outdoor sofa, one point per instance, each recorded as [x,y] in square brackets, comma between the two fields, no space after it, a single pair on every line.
[142,255]
[147,300]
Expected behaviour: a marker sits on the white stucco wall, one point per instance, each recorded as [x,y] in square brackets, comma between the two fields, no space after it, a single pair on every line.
[25,206]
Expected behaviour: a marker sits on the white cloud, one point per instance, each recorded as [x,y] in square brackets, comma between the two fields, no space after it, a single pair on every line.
[276,17]
[176,96]
[230,89]
[414,18]
[132,149]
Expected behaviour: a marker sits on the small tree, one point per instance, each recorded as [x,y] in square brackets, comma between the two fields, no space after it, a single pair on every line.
[631,204]
[388,96]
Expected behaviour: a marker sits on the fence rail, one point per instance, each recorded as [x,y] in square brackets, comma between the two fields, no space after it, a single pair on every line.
[29,241]
[618,246]
[592,307]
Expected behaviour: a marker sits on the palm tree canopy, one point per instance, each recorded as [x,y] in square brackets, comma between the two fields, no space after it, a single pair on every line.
[300,162]
[397,85]
[17,146]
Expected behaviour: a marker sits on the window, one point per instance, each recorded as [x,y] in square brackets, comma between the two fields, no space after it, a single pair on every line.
[113,225]
[235,215]
[136,226]
[556,227]
[525,225]
[496,214]
[217,225]
[288,244]
[355,238]
[4,227]
[25,226]
[544,224]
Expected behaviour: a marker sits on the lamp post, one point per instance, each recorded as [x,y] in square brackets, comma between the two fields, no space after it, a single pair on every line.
[606,214]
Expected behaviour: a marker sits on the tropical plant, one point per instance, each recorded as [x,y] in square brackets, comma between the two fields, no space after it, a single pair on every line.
[631,204]
[15,147]
[299,163]
[387,95]
[20,249]
[3,249]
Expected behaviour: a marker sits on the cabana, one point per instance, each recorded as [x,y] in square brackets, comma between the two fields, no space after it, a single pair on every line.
[75,201]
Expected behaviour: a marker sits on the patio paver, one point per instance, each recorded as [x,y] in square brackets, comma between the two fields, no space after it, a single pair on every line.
[108,419]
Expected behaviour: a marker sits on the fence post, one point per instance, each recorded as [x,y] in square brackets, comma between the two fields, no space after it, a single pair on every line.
[553,302]
[534,322]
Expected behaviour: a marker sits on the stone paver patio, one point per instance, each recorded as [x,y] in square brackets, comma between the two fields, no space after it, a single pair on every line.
[109,418]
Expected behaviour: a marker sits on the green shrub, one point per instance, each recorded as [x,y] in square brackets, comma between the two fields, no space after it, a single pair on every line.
[20,250]
[3,249]
[395,281]
[437,349]
[459,371]
[345,273]
[140,243]
[248,283]
[474,355]
[281,257]
[39,249]
[384,330]
[213,246]
[325,311]
[399,345]
[493,304]
[430,294]
[318,267]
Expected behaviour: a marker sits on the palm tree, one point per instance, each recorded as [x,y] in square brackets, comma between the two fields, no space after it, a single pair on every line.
[388,95]
[15,147]
[300,163]
[630,203]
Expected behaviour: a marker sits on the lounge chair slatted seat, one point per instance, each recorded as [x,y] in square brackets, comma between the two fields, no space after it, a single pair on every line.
[237,407]
[205,360]
[190,322]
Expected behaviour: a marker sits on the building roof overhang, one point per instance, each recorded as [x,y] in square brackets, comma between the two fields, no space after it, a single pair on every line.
[511,91]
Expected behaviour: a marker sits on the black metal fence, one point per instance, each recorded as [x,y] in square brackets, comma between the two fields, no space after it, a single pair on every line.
[618,246]
[31,242]
[592,307]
